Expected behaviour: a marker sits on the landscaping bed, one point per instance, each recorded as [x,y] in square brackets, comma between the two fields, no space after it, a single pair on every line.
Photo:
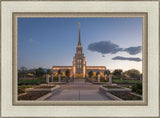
[21,89]
[116,92]
[44,86]
[32,96]
[41,88]
[112,87]
[30,92]
[126,95]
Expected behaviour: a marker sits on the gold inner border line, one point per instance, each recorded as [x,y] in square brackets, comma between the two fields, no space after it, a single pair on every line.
[16,15]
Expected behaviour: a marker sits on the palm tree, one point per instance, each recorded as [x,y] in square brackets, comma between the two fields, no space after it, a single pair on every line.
[67,73]
[59,71]
[49,71]
[107,72]
[97,73]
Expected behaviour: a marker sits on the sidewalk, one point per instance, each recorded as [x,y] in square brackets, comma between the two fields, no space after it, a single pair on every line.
[79,91]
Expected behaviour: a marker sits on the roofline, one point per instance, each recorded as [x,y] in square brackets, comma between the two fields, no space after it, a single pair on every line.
[61,66]
[96,66]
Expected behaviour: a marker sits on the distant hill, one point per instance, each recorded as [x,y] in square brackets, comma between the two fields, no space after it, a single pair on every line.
[45,69]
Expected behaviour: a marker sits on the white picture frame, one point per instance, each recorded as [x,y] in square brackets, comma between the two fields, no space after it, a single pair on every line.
[7,70]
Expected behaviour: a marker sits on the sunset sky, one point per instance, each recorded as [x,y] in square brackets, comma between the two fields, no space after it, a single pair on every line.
[112,42]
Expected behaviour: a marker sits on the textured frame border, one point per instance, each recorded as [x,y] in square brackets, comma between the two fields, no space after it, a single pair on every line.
[84,0]
[144,17]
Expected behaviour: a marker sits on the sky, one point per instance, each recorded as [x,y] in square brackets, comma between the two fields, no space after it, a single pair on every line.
[112,42]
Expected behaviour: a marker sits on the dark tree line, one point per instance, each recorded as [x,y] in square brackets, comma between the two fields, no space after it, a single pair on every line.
[39,72]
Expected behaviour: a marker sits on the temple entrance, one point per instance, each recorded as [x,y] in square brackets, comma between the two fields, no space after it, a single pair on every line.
[79,75]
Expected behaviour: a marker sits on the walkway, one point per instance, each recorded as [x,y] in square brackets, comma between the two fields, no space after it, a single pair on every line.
[78,91]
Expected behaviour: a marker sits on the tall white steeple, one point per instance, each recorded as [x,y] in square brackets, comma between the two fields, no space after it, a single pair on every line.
[79,63]
[79,41]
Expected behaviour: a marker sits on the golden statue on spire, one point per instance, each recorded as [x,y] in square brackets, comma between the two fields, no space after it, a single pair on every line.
[79,25]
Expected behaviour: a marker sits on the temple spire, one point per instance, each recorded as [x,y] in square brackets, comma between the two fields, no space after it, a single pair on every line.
[79,41]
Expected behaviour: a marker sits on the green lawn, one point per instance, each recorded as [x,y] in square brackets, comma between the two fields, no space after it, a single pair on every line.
[35,81]
[126,81]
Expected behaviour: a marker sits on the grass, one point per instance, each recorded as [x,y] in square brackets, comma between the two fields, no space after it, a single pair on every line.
[125,81]
[35,81]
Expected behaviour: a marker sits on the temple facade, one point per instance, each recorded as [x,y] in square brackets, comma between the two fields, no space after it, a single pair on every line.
[79,68]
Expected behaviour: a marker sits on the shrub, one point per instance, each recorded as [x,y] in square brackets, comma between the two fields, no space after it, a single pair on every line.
[137,88]
[103,80]
[126,95]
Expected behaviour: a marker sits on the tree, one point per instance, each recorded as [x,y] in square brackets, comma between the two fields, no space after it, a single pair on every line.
[23,71]
[59,71]
[39,72]
[67,73]
[97,73]
[117,72]
[90,74]
[23,68]
[49,71]
[133,73]
[107,72]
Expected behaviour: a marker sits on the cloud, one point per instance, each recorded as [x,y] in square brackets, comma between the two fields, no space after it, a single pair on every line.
[104,47]
[108,47]
[127,58]
[133,50]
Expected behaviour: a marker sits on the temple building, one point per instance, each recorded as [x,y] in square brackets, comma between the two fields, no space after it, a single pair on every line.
[79,68]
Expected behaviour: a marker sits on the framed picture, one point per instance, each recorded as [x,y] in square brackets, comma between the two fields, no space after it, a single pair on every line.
[80,59]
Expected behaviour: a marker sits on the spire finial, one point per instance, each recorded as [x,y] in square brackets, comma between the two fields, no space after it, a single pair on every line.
[79,42]
[79,25]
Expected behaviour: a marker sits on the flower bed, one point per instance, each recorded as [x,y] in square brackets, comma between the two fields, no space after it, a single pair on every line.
[21,89]
[32,96]
[126,95]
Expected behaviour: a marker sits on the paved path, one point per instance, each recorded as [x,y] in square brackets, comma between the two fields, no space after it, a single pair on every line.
[78,91]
